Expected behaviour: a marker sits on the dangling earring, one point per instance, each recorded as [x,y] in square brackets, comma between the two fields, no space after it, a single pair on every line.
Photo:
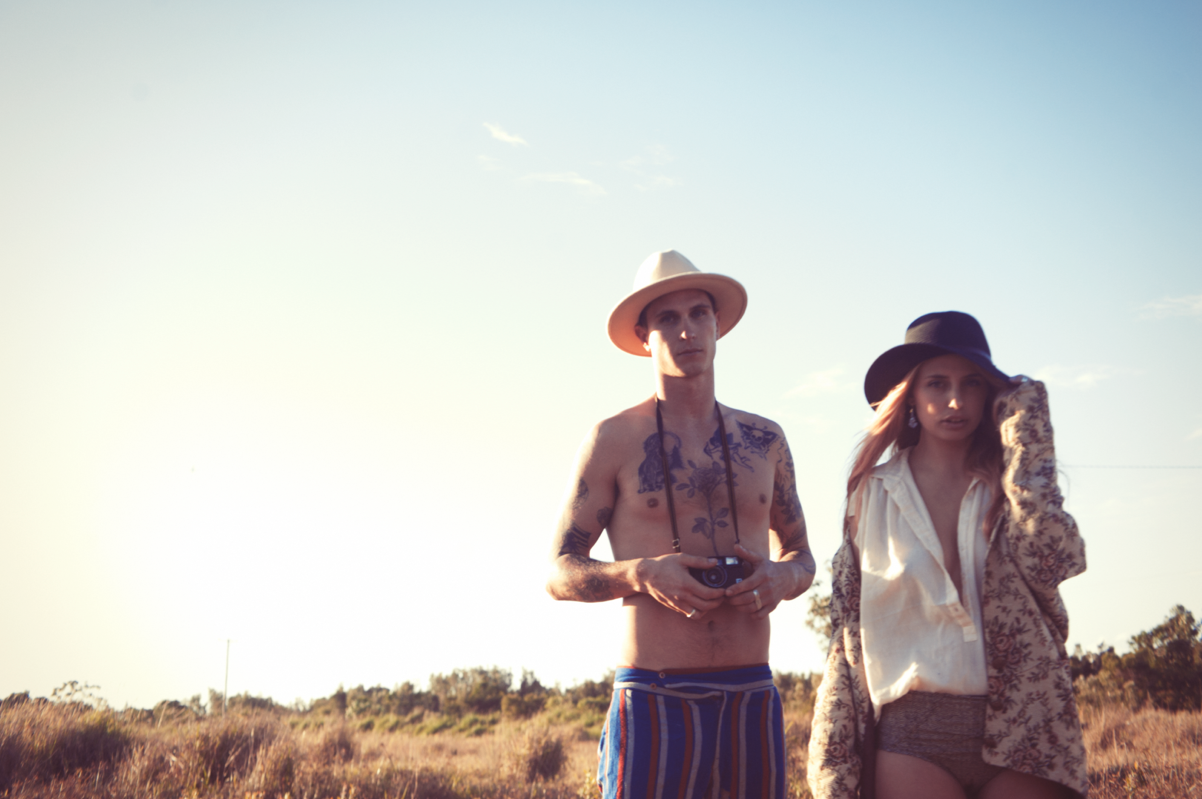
[913,421]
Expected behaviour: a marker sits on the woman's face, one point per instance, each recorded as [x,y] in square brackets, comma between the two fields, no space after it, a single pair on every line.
[949,397]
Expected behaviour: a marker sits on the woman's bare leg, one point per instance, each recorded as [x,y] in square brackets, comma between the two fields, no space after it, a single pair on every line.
[906,777]
[1012,784]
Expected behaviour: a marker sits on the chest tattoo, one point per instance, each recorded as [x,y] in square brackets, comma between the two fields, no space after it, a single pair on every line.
[651,470]
[713,449]
[755,439]
[706,481]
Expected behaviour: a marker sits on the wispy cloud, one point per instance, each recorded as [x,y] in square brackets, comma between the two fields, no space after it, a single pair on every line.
[1188,305]
[656,182]
[489,163]
[501,135]
[571,178]
[656,156]
[1082,377]
[824,382]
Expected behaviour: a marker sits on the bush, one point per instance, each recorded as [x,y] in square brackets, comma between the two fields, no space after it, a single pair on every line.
[336,745]
[540,754]
[40,741]
[516,706]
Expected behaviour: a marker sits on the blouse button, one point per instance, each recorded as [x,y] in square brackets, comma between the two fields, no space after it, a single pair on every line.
[997,704]
[999,664]
[990,743]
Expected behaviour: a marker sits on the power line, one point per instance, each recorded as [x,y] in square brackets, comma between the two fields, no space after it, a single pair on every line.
[1074,466]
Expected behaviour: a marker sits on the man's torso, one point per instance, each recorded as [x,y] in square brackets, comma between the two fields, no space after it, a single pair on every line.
[658,637]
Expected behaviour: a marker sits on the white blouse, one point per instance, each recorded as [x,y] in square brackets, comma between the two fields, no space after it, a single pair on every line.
[917,631]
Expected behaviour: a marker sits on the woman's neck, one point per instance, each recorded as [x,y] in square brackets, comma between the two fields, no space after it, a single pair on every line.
[935,456]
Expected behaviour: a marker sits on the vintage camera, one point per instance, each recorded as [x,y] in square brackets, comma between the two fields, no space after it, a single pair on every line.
[725,573]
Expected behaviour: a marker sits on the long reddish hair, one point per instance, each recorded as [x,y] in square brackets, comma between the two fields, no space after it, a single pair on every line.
[889,431]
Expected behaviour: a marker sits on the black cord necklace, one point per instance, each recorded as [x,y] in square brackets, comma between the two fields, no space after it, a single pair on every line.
[730,477]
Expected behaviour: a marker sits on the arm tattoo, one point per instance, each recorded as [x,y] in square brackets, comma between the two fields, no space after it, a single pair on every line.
[791,520]
[785,492]
[575,542]
[582,578]
[603,516]
[581,495]
[596,589]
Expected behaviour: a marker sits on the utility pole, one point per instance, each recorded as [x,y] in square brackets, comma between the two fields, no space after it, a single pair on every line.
[225,695]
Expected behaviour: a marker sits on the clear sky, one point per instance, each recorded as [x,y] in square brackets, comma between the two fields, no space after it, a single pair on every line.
[302,305]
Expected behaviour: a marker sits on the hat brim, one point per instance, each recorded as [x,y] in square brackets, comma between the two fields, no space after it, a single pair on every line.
[893,365]
[727,292]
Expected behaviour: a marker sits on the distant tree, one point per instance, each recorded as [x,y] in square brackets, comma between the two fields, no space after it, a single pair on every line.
[596,692]
[818,617]
[478,689]
[1163,668]
[530,684]
[196,705]
[1165,663]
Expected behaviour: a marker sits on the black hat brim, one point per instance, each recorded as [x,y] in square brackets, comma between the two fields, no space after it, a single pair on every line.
[893,365]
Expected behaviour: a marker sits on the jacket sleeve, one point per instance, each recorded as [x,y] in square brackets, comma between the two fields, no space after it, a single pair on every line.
[843,709]
[1043,539]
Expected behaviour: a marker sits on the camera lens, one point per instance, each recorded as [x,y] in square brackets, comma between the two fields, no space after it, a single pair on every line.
[714,577]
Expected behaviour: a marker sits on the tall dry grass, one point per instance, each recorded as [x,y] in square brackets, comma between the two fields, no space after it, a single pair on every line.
[51,750]
[71,751]
[1147,753]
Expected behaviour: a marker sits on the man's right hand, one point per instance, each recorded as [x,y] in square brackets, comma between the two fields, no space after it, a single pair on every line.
[667,579]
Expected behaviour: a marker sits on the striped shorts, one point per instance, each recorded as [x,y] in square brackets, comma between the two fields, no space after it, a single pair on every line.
[688,736]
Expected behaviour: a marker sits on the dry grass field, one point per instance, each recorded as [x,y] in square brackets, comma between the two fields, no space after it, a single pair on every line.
[71,750]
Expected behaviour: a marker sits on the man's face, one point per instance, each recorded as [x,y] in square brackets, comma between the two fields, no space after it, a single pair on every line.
[681,333]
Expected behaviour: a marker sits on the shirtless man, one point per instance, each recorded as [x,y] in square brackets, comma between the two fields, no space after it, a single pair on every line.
[694,711]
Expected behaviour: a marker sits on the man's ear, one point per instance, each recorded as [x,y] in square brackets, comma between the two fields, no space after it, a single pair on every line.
[643,333]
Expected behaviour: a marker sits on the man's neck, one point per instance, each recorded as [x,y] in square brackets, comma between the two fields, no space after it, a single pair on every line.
[686,396]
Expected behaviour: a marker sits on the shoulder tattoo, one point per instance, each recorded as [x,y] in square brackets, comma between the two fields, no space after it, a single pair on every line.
[756,439]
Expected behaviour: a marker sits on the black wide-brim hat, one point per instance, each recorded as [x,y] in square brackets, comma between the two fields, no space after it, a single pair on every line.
[929,336]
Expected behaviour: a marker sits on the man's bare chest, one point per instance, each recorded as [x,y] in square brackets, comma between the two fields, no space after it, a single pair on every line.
[690,479]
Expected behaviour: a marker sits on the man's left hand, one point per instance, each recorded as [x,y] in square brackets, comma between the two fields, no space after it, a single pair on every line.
[769,583]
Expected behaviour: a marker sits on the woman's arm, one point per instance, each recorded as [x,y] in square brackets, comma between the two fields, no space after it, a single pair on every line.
[1044,540]
[839,757]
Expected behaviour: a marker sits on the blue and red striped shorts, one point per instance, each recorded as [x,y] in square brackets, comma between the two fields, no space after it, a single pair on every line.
[693,735]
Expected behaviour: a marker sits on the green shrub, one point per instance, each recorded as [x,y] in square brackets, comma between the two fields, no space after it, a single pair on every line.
[516,706]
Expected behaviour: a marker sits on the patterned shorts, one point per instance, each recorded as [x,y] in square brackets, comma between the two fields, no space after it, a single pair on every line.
[945,729]
[693,735]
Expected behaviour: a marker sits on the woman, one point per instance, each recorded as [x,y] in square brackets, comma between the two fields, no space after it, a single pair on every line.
[947,674]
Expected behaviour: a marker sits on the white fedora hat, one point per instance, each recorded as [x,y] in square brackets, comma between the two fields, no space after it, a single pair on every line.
[665,272]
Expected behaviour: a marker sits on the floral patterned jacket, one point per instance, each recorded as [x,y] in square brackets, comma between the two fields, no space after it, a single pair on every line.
[1031,723]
